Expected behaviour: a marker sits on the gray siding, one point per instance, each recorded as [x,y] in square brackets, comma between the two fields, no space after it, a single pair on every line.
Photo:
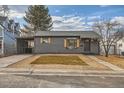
[9,43]
[57,46]
[0,33]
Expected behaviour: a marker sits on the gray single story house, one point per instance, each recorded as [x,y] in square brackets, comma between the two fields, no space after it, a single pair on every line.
[60,42]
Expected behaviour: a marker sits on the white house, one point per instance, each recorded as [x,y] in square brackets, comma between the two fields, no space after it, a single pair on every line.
[117,48]
[120,46]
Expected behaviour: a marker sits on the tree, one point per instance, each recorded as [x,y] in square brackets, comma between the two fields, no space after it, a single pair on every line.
[4,10]
[109,32]
[38,18]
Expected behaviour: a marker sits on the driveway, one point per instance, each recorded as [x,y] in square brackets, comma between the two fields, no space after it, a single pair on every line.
[6,61]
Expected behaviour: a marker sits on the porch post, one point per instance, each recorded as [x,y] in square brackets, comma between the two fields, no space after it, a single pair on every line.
[89,44]
[98,47]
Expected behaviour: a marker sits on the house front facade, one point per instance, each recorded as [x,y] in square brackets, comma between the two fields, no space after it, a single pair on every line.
[46,42]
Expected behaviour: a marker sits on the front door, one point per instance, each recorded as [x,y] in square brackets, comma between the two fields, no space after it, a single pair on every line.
[87,45]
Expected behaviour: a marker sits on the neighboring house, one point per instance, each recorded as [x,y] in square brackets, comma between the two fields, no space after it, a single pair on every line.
[7,37]
[112,49]
[23,32]
[59,42]
[117,48]
[120,45]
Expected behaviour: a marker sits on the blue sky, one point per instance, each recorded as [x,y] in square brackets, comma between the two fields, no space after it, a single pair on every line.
[73,17]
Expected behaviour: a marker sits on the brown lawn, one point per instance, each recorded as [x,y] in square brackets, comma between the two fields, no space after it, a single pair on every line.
[64,60]
[75,62]
[116,60]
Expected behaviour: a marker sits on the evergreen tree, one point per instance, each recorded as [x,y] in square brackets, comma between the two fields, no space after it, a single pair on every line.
[38,18]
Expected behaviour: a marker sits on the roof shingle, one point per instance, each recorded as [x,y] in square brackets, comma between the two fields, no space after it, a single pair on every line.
[82,34]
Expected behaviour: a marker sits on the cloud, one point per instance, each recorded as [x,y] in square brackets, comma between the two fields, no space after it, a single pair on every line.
[71,22]
[119,19]
[16,14]
[90,23]
[68,22]
[92,18]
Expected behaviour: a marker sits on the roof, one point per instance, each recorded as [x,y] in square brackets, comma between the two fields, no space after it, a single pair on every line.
[25,37]
[82,34]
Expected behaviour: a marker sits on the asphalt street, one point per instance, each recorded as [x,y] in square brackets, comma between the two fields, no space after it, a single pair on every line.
[44,81]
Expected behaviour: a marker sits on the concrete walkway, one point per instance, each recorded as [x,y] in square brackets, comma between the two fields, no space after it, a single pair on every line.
[111,66]
[6,61]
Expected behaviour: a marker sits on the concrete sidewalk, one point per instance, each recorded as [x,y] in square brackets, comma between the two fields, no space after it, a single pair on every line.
[111,66]
[6,61]
[61,72]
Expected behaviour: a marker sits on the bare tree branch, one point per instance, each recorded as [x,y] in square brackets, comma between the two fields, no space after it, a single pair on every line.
[107,29]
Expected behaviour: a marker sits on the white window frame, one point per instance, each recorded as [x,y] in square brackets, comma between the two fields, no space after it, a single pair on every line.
[44,40]
[70,47]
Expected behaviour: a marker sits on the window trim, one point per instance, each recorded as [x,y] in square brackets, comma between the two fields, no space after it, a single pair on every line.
[76,45]
[48,40]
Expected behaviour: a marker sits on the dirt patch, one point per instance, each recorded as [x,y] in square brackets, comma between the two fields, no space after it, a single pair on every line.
[63,60]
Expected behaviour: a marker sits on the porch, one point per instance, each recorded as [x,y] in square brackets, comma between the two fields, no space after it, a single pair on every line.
[25,45]
[90,45]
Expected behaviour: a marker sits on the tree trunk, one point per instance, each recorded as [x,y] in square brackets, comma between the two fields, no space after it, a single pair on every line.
[106,54]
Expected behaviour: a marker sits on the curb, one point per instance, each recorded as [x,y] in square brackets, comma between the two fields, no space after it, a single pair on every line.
[61,72]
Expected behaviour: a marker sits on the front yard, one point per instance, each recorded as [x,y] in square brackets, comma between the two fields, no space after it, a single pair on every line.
[64,60]
[114,59]
[59,61]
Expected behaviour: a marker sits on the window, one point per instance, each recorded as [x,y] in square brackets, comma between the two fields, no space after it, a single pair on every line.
[30,44]
[45,40]
[71,43]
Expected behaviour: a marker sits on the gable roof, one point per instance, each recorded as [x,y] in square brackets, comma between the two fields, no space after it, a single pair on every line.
[82,34]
